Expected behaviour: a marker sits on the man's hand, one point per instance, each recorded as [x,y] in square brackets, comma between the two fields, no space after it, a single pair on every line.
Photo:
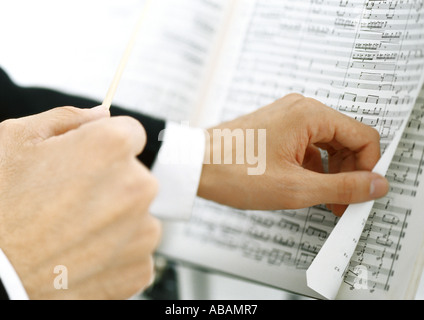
[73,194]
[296,128]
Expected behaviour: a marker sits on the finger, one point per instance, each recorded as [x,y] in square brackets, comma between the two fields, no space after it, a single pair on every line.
[138,251]
[291,98]
[59,121]
[343,161]
[313,160]
[343,188]
[143,241]
[118,282]
[124,132]
[338,209]
[339,131]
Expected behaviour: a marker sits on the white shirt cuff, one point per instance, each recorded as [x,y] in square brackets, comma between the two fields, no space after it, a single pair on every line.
[178,169]
[10,279]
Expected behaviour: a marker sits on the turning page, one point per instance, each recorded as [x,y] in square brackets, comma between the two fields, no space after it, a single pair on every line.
[363,58]
[386,263]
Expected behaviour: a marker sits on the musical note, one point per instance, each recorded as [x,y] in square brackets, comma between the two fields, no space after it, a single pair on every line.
[363,58]
[319,233]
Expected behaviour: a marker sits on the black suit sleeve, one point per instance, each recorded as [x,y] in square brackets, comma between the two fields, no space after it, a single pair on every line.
[3,293]
[16,102]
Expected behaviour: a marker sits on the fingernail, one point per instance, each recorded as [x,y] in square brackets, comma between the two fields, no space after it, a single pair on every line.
[379,188]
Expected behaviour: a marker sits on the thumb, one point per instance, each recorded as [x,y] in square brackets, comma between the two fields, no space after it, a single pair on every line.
[346,188]
[60,120]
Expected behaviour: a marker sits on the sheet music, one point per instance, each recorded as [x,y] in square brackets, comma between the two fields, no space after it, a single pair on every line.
[369,71]
[363,58]
[169,64]
[325,274]
[395,222]
[276,248]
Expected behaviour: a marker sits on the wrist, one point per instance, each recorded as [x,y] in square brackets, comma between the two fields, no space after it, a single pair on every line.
[221,180]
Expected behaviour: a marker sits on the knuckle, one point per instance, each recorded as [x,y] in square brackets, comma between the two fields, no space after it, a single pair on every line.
[310,105]
[138,277]
[130,122]
[116,137]
[153,186]
[10,126]
[375,134]
[150,234]
[63,113]
[138,125]
[148,182]
[141,186]
[146,274]
[100,130]
[345,190]
[291,100]
[293,97]
[12,133]
[310,111]
[300,109]
[68,111]
[119,137]
[149,191]
[156,230]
